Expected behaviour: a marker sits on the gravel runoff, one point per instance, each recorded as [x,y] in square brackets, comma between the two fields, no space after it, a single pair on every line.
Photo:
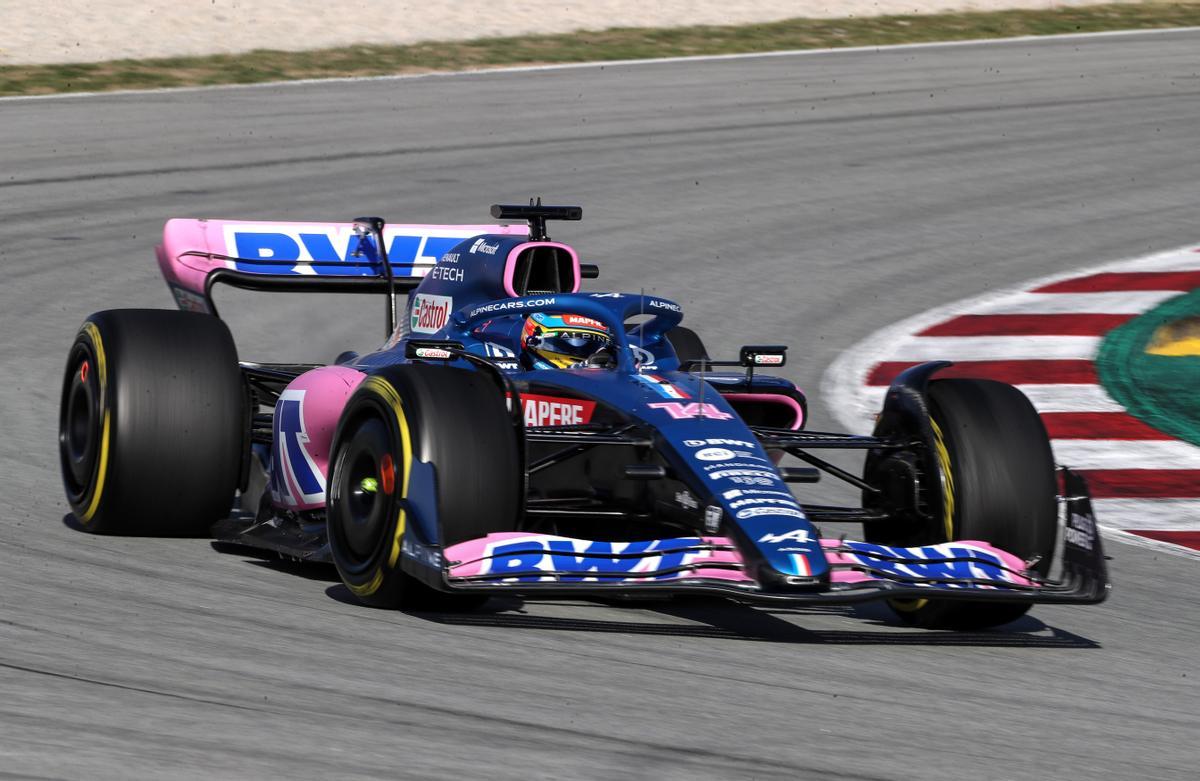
[95,30]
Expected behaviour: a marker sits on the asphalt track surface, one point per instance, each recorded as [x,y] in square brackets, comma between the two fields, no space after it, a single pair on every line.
[808,200]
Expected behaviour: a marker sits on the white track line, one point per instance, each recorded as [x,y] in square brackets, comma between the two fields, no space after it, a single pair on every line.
[1124,302]
[985,348]
[1070,398]
[1119,535]
[1045,398]
[1126,454]
[623,63]
[1169,261]
[1149,513]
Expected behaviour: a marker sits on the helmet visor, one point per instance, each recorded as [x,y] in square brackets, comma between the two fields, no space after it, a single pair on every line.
[567,348]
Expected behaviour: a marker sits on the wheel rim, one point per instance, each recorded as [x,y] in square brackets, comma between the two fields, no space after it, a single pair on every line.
[79,432]
[364,489]
[941,452]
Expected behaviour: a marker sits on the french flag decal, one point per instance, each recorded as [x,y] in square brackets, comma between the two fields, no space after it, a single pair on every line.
[800,562]
[662,387]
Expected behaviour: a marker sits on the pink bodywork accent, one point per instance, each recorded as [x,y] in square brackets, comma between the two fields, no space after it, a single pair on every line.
[772,398]
[326,391]
[510,265]
[188,271]
[841,564]
[471,558]
[684,410]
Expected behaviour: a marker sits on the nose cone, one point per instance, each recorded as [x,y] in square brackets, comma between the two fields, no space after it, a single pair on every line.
[779,544]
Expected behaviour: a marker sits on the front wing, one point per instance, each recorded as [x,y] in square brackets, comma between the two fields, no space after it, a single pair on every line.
[523,563]
[548,565]
[545,564]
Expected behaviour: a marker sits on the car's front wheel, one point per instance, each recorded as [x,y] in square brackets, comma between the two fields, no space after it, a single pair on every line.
[453,420]
[998,485]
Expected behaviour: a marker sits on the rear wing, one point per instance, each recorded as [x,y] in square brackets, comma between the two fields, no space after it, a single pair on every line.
[317,257]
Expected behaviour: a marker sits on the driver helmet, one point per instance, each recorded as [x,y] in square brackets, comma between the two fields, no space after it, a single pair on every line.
[563,341]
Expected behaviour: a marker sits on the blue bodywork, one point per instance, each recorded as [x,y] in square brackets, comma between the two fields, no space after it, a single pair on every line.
[702,439]
[639,471]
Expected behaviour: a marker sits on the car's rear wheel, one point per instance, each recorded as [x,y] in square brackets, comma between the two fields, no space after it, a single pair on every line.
[998,486]
[452,419]
[152,422]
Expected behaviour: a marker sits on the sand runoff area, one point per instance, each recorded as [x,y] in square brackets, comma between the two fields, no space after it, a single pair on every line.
[60,31]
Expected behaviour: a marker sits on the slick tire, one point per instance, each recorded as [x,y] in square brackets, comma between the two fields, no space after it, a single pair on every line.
[453,419]
[152,422]
[687,344]
[1000,486]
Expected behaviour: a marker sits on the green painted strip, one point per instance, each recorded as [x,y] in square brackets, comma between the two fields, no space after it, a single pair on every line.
[1163,391]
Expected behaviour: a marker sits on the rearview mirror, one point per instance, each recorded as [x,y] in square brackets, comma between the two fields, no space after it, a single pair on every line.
[763,355]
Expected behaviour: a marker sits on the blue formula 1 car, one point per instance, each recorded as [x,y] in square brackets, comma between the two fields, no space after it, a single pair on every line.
[515,435]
